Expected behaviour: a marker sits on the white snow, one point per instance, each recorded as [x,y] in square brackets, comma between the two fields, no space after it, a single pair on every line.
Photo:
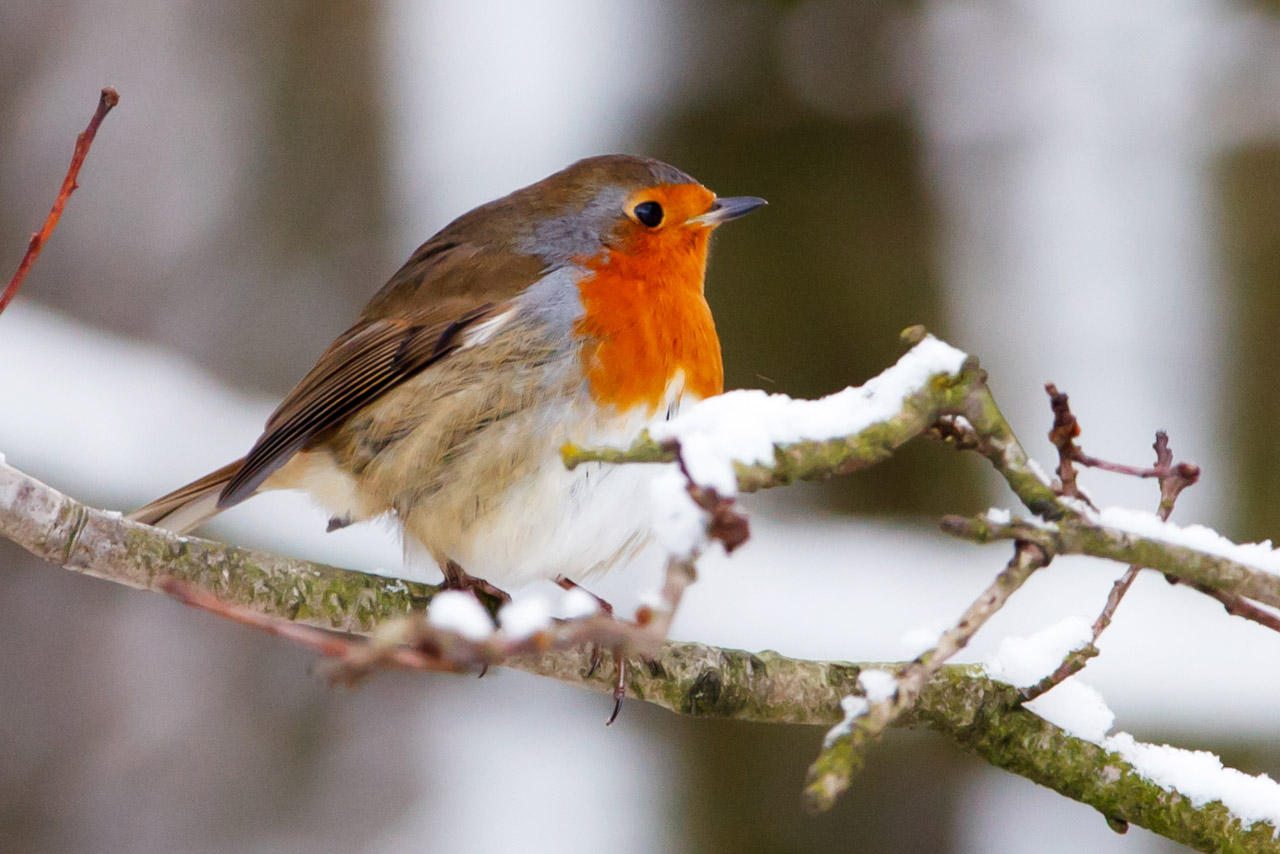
[1081,711]
[1004,516]
[1025,661]
[854,708]
[1039,472]
[923,638]
[1259,555]
[578,603]
[744,426]
[456,611]
[1201,777]
[878,685]
[525,616]
[1077,708]
[999,516]
[679,524]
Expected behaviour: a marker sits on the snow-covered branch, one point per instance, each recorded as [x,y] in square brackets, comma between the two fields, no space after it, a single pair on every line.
[745,441]
[845,749]
[1194,554]
[984,717]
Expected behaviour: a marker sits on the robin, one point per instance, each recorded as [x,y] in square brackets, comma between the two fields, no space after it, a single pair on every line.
[570,310]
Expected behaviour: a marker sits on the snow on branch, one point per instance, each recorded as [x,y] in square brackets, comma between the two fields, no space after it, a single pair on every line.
[743,442]
[981,715]
[1157,548]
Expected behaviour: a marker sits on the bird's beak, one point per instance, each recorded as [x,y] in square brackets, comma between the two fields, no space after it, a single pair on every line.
[723,210]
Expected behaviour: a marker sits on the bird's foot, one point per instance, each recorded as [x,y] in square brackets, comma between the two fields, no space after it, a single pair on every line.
[619,687]
[456,578]
[597,653]
[570,584]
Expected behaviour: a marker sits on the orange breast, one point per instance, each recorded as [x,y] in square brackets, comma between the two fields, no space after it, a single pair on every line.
[645,318]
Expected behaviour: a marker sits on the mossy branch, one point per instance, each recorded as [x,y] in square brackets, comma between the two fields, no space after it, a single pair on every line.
[104,544]
[818,460]
[1079,536]
[844,753]
[982,716]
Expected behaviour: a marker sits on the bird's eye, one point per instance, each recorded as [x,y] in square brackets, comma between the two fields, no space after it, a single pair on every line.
[649,213]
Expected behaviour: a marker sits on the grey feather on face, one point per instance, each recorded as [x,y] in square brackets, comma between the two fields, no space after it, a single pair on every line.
[581,231]
[594,207]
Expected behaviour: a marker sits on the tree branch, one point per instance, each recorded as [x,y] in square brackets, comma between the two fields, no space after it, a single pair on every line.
[106,101]
[982,716]
[1079,536]
[843,756]
[104,544]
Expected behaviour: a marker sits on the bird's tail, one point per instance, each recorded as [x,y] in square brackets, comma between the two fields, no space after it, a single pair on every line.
[188,507]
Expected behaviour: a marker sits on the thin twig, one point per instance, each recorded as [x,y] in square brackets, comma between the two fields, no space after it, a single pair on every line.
[1238,606]
[843,756]
[724,522]
[412,643]
[336,646]
[108,99]
[1063,435]
[1174,478]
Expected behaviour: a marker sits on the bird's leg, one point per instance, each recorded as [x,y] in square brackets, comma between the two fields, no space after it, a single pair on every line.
[456,578]
[597,654]
[569,584]
[619,687]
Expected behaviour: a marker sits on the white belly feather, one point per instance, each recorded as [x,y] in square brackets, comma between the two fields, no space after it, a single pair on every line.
[552,522]
[578,523]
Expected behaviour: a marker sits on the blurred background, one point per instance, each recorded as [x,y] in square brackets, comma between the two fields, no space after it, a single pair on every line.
[1087,193]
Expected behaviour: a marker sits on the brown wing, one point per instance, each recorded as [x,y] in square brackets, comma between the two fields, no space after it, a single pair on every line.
[412,323]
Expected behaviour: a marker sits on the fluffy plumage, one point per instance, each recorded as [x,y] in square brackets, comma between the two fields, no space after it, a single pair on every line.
[547,316]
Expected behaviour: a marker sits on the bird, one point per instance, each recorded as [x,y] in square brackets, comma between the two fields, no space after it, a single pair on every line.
[571,310]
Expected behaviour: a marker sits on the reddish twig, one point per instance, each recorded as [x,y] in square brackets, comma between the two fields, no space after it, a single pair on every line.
[1077,659]
[1063,435]
[1238,606]
[725,523]
[341,648]
[106,101]
[411,643]
[1174,477]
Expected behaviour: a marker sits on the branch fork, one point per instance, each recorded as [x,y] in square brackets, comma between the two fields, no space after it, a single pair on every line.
[361,624]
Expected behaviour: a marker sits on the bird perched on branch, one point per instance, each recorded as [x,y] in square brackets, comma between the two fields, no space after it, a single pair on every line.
[570,310]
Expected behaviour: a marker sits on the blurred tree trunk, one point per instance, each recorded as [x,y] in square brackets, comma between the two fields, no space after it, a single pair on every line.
[1251,234]
[316,216]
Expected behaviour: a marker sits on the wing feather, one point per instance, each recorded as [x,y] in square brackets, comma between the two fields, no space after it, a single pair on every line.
[357,369]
